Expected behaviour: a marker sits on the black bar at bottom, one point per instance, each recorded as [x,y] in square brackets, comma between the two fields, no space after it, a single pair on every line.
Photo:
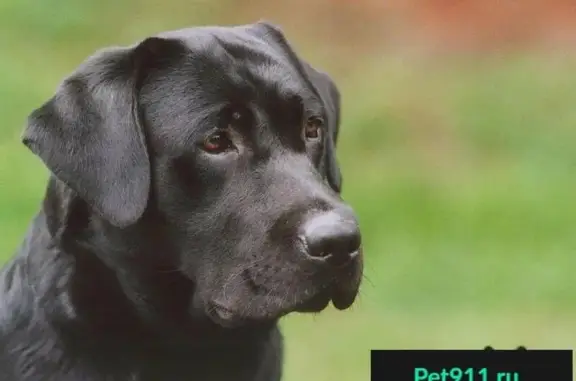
[471,365]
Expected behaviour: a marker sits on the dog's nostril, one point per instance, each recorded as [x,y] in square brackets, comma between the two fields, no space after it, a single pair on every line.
[332,238]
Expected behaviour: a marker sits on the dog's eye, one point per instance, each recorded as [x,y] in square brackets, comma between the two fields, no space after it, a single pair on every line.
[217,142]
[313,128]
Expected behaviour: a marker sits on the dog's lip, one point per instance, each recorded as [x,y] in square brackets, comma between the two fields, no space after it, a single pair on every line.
[223,312]
[223,315]
[344,295]
[230,318]
[316,303]
[343,299]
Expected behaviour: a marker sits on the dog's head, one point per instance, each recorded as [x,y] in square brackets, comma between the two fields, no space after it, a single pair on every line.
[222,139]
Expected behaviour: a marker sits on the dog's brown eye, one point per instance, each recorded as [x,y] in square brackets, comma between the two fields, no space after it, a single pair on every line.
[217,142]
[313,128]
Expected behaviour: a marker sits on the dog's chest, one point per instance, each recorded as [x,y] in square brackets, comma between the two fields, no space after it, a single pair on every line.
[215,370]
[236,363]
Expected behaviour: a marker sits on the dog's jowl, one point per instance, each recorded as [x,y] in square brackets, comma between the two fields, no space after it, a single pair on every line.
[194,200]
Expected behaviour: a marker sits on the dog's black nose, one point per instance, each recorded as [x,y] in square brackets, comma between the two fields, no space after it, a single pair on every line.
[332,237]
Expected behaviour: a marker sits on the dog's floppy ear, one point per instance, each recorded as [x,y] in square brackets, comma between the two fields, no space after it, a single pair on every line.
[90,137]
[331,99]
[327,90]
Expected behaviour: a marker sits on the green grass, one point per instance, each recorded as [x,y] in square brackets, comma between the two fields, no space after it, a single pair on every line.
[462,172]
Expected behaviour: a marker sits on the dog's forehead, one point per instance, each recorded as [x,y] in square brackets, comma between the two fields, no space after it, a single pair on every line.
[203,37]
[246,50]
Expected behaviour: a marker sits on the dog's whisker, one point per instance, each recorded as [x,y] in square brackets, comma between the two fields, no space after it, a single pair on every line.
[364,276]
[238,273]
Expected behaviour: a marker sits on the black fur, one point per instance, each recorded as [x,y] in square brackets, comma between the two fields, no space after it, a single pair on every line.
[153,259]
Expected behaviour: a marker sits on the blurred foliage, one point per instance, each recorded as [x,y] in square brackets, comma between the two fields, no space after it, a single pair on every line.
[461,167]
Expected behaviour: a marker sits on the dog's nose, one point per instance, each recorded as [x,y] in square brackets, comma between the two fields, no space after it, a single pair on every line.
[332,237]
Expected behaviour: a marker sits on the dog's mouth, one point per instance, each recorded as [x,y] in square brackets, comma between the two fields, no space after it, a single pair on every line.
[341,297]
[229,318]
[224,316]
[264,306]
[317,303]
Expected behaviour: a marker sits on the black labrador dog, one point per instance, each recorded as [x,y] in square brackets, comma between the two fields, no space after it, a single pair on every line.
[193,201]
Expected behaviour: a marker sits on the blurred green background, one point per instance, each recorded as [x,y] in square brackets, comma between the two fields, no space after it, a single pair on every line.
[457,152]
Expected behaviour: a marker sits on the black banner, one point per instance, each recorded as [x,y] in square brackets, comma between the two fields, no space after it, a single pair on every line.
[471,365]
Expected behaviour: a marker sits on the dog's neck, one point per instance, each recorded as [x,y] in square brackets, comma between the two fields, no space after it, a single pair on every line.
[136,306]
[58,289]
